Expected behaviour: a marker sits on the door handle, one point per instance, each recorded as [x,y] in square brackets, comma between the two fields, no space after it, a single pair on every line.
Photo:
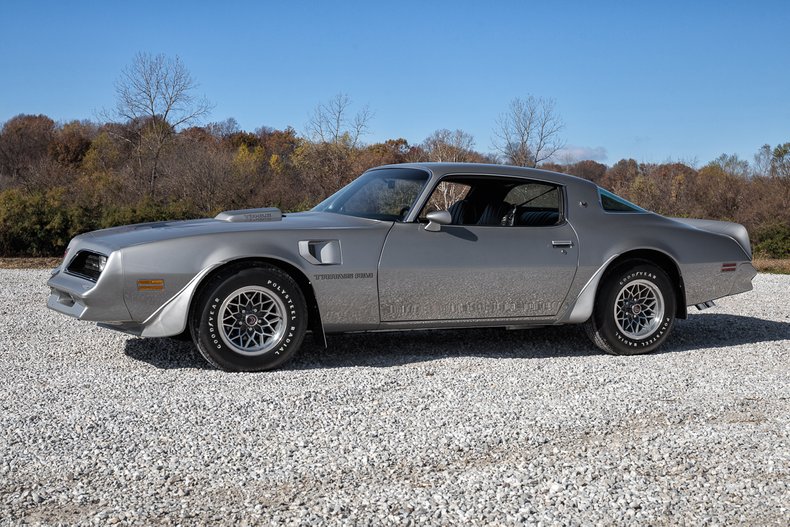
[562,244]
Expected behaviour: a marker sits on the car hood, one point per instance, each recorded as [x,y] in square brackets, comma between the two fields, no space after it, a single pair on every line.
[128,235]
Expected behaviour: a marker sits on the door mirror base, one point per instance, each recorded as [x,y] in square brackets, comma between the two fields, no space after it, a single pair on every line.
[436,219]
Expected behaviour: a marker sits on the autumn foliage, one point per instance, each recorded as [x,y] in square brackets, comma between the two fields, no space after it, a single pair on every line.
[58,180]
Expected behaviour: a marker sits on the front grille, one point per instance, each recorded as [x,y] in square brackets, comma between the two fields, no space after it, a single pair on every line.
[88,265]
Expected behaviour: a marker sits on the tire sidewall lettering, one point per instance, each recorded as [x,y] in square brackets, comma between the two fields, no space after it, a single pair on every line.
[651,339]
[608,327]
[638,275]
[210,336]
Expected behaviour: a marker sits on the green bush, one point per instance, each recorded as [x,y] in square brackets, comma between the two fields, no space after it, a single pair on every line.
[41,223]
[773,241]
[144,212]
[33,224]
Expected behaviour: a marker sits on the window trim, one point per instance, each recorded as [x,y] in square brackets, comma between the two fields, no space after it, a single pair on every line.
[561,202]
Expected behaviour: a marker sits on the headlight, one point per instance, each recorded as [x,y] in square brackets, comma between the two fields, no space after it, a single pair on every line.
[95,262]
[88,265]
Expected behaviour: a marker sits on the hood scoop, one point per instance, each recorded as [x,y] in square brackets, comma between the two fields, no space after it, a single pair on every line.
[235,216]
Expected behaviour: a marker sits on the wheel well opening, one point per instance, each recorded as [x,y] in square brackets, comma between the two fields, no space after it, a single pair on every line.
[667,264]
[313,313]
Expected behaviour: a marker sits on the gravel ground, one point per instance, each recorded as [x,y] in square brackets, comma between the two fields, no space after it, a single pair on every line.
[451,427]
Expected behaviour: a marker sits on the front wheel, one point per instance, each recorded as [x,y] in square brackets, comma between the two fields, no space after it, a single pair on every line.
[249,319]
[634,310]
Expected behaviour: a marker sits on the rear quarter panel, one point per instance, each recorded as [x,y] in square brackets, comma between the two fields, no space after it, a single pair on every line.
[698,253]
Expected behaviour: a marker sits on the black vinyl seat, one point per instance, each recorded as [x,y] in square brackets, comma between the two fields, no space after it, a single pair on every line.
[462,212]
[537,218]
[493,214]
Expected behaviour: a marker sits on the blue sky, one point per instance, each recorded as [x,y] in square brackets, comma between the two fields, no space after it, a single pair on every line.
[655,81]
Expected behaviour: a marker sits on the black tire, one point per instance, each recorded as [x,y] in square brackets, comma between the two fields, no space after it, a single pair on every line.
[250,318]
[645,313]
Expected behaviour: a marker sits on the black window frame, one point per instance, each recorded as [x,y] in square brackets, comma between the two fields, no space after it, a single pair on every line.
[516,180]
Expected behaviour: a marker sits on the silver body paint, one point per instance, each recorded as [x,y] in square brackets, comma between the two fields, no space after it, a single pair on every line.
[370,275]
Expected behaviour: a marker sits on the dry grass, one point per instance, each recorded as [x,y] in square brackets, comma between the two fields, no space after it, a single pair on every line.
[763,265]
[29,263]
[768,265]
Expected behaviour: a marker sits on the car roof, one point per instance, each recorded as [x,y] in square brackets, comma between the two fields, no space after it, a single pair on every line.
[485,169]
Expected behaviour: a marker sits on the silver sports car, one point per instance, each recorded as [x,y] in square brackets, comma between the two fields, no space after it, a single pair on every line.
[402,247]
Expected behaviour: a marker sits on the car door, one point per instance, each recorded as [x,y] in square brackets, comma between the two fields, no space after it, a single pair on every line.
[467,272]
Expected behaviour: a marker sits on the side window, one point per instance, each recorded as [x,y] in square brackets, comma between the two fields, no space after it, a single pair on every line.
[496,201]
[445,195]
[535,196]
[534,205]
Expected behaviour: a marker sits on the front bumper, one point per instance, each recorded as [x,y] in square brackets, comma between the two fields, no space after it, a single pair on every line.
[103,302]
[99,301]
[64,299]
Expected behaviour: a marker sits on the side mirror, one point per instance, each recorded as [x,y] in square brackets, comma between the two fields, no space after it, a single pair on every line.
[436,219]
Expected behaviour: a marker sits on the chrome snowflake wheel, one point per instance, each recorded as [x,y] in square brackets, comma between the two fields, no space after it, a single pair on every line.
[251,320]
[639,309]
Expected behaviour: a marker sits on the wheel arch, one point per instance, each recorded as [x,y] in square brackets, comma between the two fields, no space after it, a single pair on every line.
[662,260]
[313,312]
[583,307]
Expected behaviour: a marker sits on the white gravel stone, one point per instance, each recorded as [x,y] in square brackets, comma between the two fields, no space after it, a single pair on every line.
[472,427]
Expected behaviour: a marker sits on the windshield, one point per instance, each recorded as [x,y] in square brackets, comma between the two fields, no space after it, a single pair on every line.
[385,194]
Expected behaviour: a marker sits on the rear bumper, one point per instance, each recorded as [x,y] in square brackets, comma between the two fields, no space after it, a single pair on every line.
[742,281]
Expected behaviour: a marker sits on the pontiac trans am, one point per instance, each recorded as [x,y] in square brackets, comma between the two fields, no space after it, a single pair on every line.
[402,247]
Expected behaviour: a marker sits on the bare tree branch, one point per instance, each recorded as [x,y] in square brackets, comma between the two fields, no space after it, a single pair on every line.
[528,133]
[449,146]
[330,122]
[154,93]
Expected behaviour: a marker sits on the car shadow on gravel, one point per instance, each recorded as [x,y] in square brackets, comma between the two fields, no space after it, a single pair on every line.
[713,330]
[165,353]
[389,348]
[407,347]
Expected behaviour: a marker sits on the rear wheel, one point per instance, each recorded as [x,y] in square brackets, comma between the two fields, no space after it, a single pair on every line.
[249,319]
[634,310]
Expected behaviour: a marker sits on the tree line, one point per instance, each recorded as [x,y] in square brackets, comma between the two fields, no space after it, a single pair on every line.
[149,159]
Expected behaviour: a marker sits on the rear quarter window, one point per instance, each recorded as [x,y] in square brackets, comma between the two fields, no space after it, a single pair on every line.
[614,203]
